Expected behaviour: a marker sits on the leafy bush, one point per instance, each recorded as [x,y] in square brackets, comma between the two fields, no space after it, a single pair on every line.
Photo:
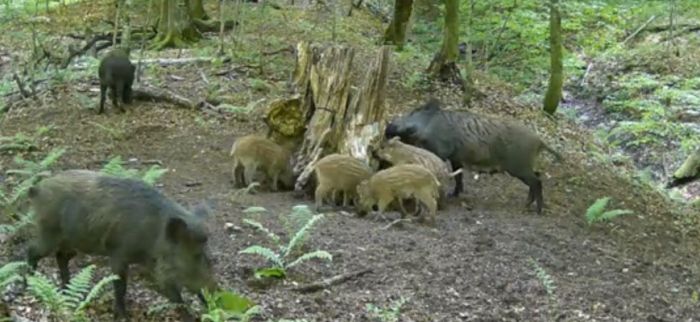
[280,261]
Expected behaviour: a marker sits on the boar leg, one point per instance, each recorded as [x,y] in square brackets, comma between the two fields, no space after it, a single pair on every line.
[459,184]
[172,293]
[62,258]
[249,174]
[319,194]
[274,185]
[429,201]
[103,97]
[345,199]
[121,270]
[535,193]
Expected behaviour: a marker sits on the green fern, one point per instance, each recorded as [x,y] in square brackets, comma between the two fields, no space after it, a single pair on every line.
[596,212]
[544,278]
[150,176]
[266,253]
[390,314]
[69,304]
[9,273]
[279,260]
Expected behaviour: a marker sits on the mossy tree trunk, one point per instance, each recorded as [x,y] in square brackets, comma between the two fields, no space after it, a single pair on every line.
[444,66]
[395,33]
[197,10]
[176,26]
[556,77]
[469,88]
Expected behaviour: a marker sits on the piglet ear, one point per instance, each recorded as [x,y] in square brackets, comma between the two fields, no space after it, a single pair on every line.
[176,230]
[395,138]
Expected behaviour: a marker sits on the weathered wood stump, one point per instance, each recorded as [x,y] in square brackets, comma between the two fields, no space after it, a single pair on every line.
[325,112]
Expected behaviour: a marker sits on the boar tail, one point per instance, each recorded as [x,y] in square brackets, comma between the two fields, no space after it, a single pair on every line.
[553,152]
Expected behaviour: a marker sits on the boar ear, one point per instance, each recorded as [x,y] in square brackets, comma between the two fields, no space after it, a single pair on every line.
[201,211]
[176,230]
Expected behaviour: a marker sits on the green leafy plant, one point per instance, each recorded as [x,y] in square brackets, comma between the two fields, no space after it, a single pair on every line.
[69,304]
[281,261]
[544,278]
[390,314]
[150,176]
[596,212]
[31,172]
[224,306]
[9,273]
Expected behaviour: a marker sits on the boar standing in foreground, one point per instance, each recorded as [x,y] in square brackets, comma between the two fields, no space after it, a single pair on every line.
[399,182]
[116,72]
[478,143]
[253,152]
[127,221]
[338,172]
[687,173]
[396,152]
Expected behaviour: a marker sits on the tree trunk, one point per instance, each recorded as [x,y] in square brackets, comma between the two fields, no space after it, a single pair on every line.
[395,33]
[443,65]
[325,113]
[556,78]
[469,68]
[175,26]
[197,10]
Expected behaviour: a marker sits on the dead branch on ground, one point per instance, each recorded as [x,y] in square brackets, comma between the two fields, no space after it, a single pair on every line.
[327,283]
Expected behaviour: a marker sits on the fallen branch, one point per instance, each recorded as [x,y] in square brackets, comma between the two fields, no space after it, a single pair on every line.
[394,223]
[326,283]
[636,32]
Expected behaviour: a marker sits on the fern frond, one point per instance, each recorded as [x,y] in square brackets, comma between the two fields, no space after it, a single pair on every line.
[21,190]
[264,252]
[47,293]
[152,175]
[320,254]
[114,167]
[9,273]
[52,157]
[79,285]
[96,291]
[544,278]
[301,233]
[612,214]
[262,228]
[597,207]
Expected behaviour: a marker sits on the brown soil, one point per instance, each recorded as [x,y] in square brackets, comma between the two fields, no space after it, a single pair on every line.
[474,267]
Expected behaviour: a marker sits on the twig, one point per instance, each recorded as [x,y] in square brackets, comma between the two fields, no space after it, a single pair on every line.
[394,223]
[588,70]
[634,34]
[326,283]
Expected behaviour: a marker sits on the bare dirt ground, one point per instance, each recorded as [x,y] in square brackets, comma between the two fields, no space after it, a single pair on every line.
[475,267]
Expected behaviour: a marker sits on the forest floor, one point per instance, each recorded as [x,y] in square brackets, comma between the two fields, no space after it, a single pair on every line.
[480,264]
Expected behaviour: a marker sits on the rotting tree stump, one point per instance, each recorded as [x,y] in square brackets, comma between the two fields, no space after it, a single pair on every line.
[325,112]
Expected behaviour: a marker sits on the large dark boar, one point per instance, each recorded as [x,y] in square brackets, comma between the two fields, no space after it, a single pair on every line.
[127,221]
[116,73]
[475,142]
